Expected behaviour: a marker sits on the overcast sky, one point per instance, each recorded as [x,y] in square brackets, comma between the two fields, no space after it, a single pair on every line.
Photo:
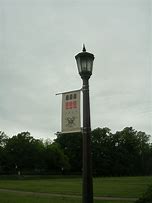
[38,42]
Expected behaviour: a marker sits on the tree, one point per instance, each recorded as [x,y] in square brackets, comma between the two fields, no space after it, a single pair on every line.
[55,159]
[71,144]
[145,154]
[125,152]
[23,152]
[101,151]
[3,139]
[147,196]
[132,152]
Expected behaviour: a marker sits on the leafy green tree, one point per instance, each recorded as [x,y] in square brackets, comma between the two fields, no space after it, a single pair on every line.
[23,152]
[101,151]
[144,149]
[3,139]
[133,147]
[71,144]
[126,152]
[147,196]
[55,159]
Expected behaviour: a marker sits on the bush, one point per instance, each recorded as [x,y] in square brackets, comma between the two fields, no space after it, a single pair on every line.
[147,196]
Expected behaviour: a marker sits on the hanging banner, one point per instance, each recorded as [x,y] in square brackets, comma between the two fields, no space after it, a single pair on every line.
[71,112]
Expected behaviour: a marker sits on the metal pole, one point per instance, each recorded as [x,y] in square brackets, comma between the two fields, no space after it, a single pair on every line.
[87,158]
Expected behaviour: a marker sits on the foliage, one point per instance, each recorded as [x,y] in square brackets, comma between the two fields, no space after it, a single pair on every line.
[71,144]
[126,152]
[3,139]
[24,154]
[55,159]
[147,196]
[101,151]
[123,153]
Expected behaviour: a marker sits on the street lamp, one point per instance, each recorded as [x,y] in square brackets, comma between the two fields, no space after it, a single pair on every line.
[85,64]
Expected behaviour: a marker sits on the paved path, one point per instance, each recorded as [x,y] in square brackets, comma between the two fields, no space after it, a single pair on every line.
[66,195]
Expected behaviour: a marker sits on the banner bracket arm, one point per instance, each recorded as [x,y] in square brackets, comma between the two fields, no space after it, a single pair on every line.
[68,92]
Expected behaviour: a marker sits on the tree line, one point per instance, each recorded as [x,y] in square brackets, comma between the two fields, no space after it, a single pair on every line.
[126,152]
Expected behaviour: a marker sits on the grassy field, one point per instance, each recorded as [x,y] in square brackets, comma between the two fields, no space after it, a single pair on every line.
[18,198]
[112,187]
[122,186]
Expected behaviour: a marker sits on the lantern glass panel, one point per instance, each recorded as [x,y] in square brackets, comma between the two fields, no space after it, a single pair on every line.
[89,65]
[79,64]
[84,64]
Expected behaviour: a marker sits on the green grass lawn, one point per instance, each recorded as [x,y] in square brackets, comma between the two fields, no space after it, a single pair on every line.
[113,187]
[121,186]
[17,198]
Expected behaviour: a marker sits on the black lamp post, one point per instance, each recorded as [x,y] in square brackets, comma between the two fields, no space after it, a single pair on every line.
[85,65]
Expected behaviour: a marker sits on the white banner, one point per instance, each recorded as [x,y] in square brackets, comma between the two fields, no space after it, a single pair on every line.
[71,112]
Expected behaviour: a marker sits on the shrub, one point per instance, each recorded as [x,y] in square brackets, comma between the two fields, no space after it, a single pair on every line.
[147,196]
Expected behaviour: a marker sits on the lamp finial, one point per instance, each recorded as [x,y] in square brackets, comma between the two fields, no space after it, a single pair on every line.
[84,49]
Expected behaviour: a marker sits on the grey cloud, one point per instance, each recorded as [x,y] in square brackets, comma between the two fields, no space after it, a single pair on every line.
[39,40]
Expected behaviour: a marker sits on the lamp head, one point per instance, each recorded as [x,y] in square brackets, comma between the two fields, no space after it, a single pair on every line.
[85,63]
